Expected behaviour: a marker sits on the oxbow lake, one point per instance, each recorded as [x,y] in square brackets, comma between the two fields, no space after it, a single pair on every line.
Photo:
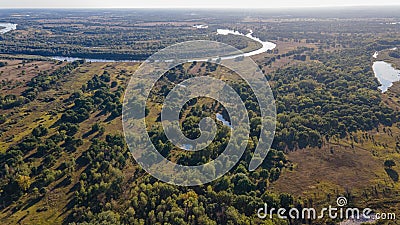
[386,74]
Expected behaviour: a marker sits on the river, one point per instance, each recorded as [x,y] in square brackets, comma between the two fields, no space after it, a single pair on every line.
[7,27]
[265,47]
[71,59]
[386,74]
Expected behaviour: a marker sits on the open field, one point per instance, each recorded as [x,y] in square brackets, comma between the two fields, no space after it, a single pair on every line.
[17,73]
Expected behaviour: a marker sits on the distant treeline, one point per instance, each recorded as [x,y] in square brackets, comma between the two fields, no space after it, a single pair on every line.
[79,54]
[113,52]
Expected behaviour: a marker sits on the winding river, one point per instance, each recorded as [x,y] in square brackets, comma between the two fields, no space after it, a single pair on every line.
[7,27]
[265,47]
[265,44]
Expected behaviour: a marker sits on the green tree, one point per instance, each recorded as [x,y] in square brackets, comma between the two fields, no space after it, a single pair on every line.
[389,163]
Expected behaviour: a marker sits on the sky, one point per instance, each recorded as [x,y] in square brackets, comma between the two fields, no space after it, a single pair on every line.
[189,3]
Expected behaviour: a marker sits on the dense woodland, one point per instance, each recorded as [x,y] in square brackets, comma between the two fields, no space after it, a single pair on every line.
[125,39]
[327,92]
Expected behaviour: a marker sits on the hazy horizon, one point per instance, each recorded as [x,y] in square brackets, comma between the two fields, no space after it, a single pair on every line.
[173,4]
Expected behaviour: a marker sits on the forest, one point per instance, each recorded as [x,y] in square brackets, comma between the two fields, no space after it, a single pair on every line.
[64,157]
